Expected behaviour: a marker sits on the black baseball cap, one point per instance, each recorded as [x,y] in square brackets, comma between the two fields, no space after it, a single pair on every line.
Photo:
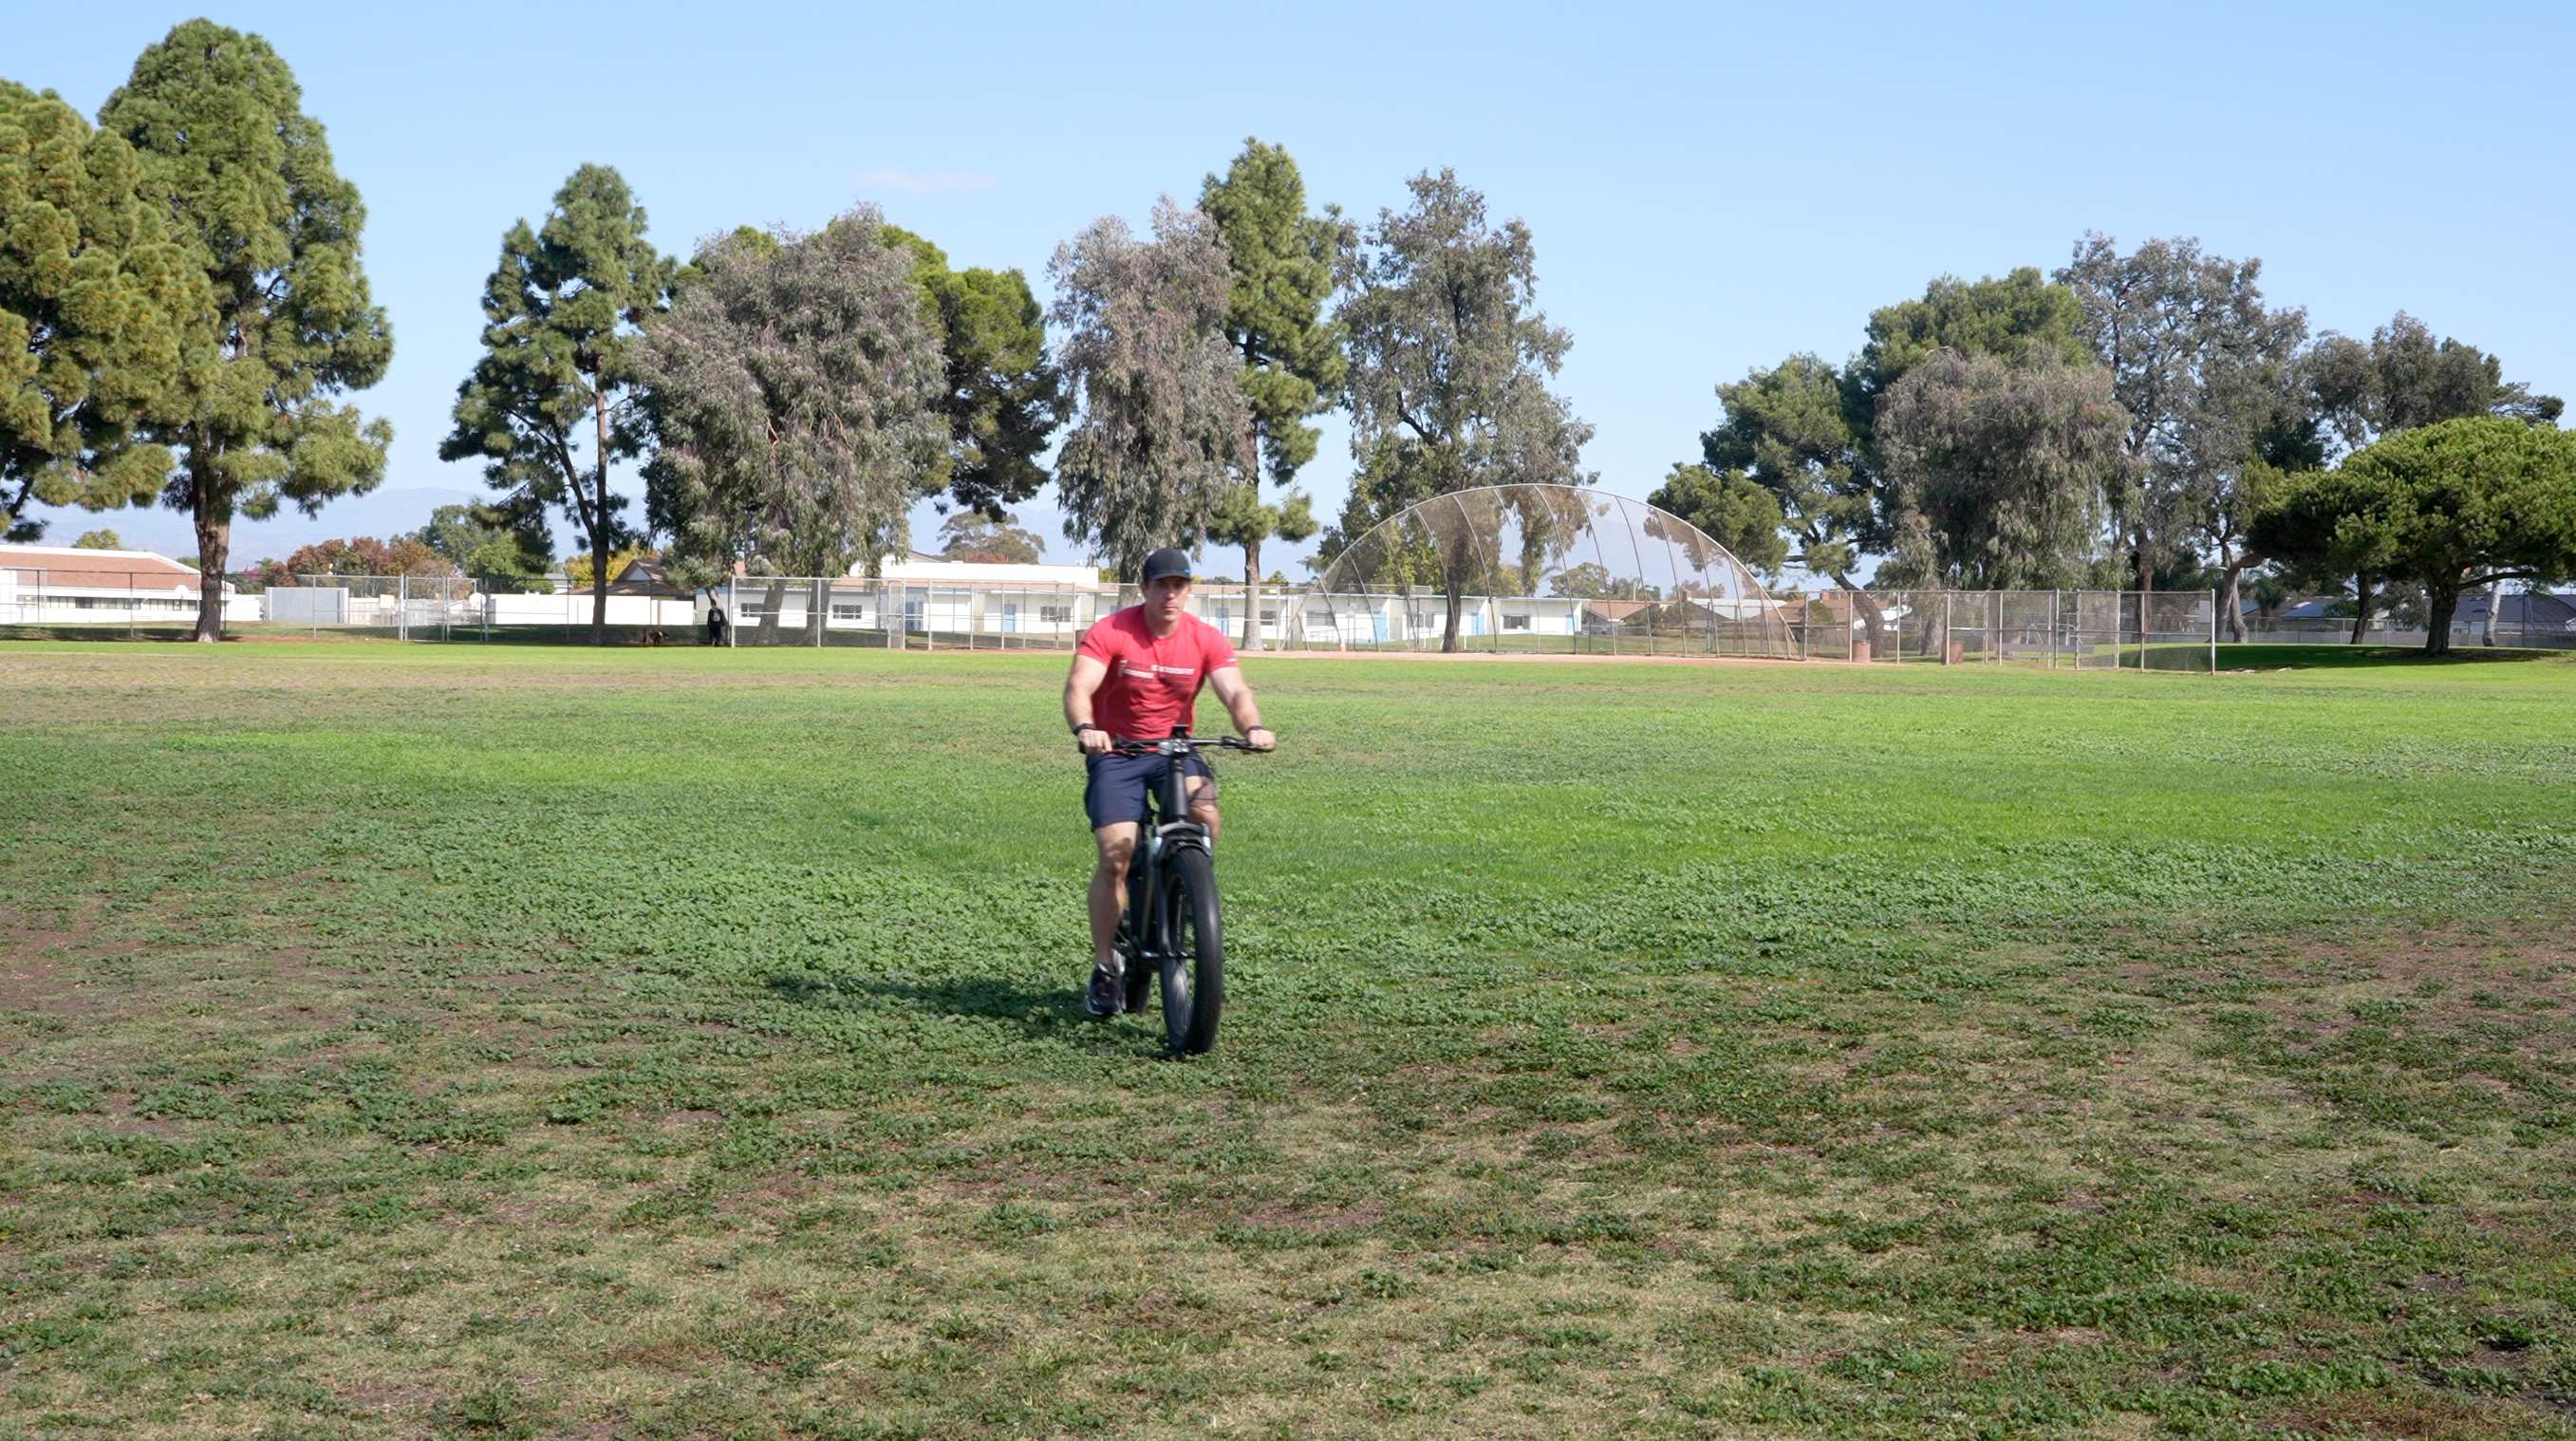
[1167,561]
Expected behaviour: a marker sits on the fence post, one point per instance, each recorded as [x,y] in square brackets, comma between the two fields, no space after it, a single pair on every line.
[821,612]
[733,614]
[402,607]
[2213,632]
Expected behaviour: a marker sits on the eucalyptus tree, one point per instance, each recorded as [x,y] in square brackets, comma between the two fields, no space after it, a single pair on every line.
[1163,432]
[1450,361]
[2199,364]
[2403,377]
[1283,262]
[96,297]
[1807,430]
[971,535]
[246,180]
[797,394]
[2001,473]
[562,312]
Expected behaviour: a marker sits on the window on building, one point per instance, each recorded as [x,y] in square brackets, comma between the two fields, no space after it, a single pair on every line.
[849,610]
[1516,622]
[1055,614]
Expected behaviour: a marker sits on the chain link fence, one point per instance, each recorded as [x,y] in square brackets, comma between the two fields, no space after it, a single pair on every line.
[106,599]
[2518,620]
[825,611]
[2078,629]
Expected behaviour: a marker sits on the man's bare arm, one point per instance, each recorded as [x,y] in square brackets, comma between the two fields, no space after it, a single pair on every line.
[1080,683]
[1235,694]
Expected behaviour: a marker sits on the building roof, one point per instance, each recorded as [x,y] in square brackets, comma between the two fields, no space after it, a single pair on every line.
[936,569]
[2316,609]
[2541,610]
[1615,609]
[641,576]
[67,567]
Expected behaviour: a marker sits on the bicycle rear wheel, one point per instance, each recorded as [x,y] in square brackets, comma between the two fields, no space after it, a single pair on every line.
[1193,953]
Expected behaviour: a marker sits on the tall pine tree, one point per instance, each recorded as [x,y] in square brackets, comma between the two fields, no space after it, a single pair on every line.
[1283,261]
[1003,397]
[96,296]
[562,313]
[246,177]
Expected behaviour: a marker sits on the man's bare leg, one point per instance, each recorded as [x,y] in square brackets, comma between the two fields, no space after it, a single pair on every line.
[1202,808]
[1117,843]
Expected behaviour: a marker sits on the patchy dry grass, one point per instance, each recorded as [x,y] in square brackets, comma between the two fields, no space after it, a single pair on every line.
[401,1042]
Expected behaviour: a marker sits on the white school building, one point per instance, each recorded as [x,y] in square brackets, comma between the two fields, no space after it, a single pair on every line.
[66,585]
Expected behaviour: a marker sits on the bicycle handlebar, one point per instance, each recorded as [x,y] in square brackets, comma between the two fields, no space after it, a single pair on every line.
[1178,743]
[1132,746]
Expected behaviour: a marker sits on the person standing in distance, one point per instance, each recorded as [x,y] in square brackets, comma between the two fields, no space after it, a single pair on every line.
[1137,674]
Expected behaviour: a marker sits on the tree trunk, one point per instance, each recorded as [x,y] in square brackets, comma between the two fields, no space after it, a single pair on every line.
[2495,602]
[2233,599]
[1252,593]
[599,531]
[1456,595]
[214,540]
[1871,612]
[2439,604]
[2361,609]
[776,601]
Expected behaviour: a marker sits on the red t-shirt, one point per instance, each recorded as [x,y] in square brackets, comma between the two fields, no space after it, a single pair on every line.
[1153,682]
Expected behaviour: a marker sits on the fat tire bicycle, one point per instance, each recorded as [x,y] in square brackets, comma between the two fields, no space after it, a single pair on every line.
[1173,930]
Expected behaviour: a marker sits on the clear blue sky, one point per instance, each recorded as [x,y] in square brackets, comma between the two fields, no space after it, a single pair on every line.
[1709,191]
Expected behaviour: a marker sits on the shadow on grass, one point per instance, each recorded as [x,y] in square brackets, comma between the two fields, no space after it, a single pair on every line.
[2356,657]
[1054,1013]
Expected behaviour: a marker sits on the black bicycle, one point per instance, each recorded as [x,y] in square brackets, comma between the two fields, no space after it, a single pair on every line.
[1172,930]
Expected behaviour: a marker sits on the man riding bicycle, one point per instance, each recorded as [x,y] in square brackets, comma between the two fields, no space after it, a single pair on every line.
[1137,675]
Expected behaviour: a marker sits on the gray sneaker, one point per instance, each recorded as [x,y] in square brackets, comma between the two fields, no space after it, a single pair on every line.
[1105,996]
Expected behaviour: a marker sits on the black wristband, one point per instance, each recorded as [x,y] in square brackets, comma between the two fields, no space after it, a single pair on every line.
[1081,726]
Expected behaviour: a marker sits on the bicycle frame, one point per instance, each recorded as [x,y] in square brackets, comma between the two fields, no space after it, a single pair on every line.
[1162,839]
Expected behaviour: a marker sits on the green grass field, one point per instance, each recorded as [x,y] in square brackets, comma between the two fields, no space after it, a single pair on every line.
[511,1042]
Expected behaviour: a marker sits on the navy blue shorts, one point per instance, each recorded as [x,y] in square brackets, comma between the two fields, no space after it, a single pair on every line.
[1119,785]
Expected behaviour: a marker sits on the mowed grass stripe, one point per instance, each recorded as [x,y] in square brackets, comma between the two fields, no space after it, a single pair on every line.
[486,1042]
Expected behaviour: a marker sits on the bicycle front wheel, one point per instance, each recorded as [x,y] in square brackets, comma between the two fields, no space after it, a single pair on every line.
[1193,953]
